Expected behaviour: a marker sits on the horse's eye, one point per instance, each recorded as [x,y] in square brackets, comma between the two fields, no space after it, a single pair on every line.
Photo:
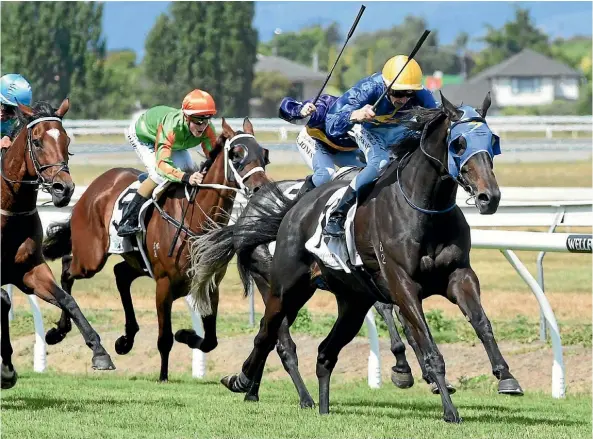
[37,143]
[239,152]
[460,145]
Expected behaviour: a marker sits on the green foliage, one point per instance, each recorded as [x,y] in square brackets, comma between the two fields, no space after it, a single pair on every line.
[512,38]
[207,45]
[556,108]
[270,87]
[60,50]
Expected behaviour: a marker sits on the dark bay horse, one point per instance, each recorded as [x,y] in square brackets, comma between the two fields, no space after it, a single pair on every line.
[413,241]
[38,158]
[82,242]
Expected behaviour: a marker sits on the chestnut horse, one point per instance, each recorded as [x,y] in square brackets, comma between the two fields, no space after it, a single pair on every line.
[82,242]
[38,158]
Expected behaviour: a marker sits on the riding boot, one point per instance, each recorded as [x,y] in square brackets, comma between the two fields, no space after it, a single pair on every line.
[335,223]
[129,221]
[307,186]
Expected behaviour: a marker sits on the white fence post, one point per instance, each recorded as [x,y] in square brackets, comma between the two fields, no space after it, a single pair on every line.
[198,364]
[558,387]
[39,351]
[9,288]
[374,367]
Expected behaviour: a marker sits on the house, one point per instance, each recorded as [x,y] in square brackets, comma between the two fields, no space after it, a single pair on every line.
[525,79]
[306,82]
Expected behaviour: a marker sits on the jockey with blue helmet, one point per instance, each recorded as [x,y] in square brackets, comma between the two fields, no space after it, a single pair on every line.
[13,89]
[375,131]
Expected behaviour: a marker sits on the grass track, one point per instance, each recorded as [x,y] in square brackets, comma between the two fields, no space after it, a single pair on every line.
[52,406]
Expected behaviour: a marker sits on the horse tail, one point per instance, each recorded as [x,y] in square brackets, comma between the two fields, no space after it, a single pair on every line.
[58,242]
[210,254]
[212,251]
[257,226]
[260,220]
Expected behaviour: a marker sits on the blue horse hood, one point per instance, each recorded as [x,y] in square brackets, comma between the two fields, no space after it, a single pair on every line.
[478,137]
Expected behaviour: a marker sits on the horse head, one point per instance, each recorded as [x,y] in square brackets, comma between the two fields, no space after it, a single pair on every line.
[245,159]
[471,150]
[46,148]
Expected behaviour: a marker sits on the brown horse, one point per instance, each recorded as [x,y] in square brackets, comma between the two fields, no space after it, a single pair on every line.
[238,164]
[38,158]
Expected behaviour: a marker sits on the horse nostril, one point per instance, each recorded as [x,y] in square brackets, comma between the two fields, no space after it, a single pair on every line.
[483,198]
[58,188]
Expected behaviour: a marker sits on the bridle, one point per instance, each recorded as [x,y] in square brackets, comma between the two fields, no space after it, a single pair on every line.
[442,169]
[39,168]
[228,164]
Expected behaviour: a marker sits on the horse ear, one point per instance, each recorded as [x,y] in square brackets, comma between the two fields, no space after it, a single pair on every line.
[64,107]
[485,105]
[248,126]
[227,130]
[452,113]
[25,109]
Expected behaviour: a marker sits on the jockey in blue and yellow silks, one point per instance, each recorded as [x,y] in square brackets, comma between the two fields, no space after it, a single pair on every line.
[319,150]
[374,132]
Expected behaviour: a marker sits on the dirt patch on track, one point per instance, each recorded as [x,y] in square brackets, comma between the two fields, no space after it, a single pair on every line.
[530,363]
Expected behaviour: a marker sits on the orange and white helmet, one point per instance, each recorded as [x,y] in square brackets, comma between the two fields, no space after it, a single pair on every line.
[198,103]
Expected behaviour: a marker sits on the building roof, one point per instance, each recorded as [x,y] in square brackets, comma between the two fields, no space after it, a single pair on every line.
[290,69]
[528,63]
[525,63]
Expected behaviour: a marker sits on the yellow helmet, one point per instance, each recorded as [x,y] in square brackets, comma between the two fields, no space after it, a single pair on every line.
[409,79]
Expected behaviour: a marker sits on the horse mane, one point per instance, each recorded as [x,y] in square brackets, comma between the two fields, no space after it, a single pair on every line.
[40,109]
[417,119]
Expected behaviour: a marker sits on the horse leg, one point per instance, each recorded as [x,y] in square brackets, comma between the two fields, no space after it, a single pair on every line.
[351,314]
[405,293]
[286,349]
[401,374]
[286,298]
[124,276]
[464,289]
[8,374]
[425,375]
[210,340]
[64,325]
[164,303]
[40,280]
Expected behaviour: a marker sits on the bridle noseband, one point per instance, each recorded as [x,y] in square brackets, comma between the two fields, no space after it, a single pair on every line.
[39,168]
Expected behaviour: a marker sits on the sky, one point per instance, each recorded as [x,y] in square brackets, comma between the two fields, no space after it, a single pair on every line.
[126,24]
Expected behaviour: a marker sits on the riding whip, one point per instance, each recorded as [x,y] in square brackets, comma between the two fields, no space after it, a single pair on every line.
[362,8]
[192,196]
[410,57]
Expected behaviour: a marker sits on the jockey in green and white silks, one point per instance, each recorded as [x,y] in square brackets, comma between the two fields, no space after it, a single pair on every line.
[161,137]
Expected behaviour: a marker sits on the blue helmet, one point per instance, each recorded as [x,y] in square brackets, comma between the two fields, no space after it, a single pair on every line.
[13,88]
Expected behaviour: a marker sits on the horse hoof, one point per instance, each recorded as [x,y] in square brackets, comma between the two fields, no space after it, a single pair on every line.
[226,381]
[103,362]
[402,380]
[123,345]
[510,386]
[453,418]
[251,398]
[188,337]
[54,336]
[9,377]
[307,403]
[435,390]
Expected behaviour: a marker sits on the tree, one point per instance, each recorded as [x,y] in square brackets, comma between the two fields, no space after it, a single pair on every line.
[270,87]
[512,38]
[122,75]
[207,45]
[58,47]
